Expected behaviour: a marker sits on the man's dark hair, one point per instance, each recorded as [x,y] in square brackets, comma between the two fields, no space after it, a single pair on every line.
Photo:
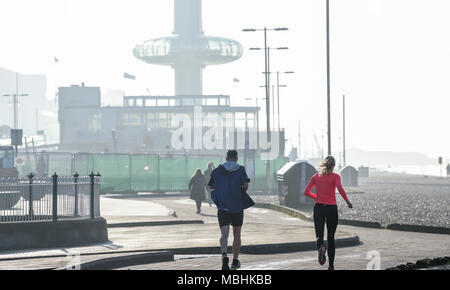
[232,154]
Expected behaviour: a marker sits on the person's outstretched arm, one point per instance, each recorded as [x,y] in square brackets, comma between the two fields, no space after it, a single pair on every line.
[342,191]
[310,186]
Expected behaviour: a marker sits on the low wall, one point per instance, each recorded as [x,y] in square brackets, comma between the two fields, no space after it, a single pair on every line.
[33,235]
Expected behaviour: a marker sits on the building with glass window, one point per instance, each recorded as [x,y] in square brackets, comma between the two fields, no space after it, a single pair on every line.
[143,123]
[146,124]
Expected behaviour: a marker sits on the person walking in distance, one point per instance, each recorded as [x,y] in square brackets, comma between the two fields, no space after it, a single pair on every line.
[325,208]
[229,184]
[207,174]
[198,186]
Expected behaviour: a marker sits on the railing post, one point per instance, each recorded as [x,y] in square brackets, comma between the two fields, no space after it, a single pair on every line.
[92,194]
[30,201]
[130,172]
[186,173]
[158,180]
[95,196]
[76,175]
[72,164]
[55,197]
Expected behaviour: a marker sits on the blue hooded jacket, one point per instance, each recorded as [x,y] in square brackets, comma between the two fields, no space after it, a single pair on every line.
[227,180]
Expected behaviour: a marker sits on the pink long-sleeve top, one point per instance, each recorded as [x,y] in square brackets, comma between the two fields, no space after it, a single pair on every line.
[326,188]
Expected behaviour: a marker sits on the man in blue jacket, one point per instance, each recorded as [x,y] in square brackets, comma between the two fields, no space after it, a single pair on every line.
[228,183]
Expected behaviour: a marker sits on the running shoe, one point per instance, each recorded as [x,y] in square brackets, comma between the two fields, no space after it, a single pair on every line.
[330,268]
[322,256]
[235,265]
[225,261]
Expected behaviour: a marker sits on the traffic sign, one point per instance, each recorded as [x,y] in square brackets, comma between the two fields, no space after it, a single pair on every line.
[16,137]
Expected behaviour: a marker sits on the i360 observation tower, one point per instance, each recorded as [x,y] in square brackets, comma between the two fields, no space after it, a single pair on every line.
[189,50]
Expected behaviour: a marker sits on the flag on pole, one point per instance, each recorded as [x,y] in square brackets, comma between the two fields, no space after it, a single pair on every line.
[128,76]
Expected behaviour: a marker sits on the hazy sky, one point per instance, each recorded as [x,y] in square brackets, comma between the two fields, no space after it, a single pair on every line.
[391,57]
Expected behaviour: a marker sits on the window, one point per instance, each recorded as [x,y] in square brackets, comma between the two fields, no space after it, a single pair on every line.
[163,124]
[223,101]
[212,102]
[95,123]
[163,103]
[240,115]
[131,119]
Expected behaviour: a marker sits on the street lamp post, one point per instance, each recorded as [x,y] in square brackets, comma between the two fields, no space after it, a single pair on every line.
[268,73]
[266,62]
[278,95]
[343,125]
[328,75]
[16,102]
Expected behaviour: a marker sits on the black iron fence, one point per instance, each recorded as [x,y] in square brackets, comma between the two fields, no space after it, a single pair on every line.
[51,198]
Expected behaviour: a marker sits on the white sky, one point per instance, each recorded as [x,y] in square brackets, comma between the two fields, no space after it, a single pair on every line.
[391,57]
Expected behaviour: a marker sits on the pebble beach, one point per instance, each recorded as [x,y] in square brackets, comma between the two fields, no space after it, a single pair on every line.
[394,199]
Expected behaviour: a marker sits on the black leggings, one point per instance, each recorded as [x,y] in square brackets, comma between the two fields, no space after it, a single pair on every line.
[198,202]
[328,214]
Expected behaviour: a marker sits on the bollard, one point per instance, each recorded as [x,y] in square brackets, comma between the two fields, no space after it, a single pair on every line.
[55,197]
[30,201]
[76,175]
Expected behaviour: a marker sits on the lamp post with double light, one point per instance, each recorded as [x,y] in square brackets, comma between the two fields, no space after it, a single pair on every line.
[267,85]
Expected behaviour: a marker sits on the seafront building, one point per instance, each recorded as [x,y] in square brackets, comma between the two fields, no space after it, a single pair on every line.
[144,124]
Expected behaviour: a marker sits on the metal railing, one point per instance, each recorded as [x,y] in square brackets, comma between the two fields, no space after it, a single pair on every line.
[52,198]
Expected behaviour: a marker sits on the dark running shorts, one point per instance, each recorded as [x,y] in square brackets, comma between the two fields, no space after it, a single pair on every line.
[235,219]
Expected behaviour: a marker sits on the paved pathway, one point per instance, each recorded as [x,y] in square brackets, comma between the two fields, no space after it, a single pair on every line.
[394,248]
[261,227]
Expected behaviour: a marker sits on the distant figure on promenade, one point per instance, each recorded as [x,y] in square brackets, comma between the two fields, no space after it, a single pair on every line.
[41,167]
[325,209]
[198,186]
[229,184]
[207,175]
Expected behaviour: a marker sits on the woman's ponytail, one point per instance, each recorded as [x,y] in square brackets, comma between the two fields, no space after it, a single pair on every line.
[327,165]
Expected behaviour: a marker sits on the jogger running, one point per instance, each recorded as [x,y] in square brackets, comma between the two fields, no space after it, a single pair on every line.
[325,208]
[229,182]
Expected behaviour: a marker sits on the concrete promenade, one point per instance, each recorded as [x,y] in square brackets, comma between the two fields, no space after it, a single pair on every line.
[195,243]
[200,234]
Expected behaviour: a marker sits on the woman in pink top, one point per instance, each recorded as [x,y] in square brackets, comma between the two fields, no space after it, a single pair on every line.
[325,209]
